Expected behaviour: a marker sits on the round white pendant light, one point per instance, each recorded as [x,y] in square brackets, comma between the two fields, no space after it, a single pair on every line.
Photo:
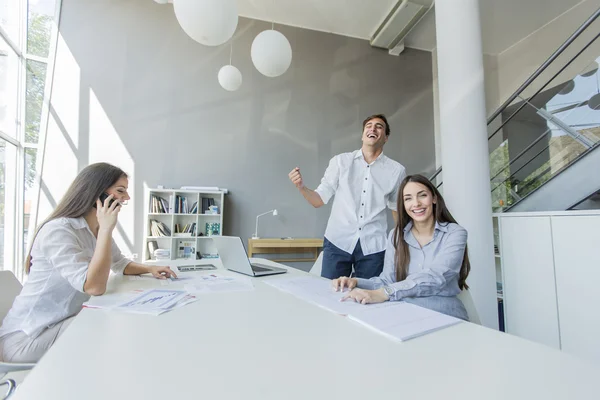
[591,69]
[594,102]
[209,22]
[567,88]
[271,53]
[230,78]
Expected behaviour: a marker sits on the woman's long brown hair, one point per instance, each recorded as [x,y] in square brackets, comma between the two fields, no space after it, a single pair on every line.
[441,215]
[81,196]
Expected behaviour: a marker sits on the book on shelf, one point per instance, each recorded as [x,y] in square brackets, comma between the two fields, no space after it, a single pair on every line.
[158,205]
[206,203]
[158,228]
[188,228]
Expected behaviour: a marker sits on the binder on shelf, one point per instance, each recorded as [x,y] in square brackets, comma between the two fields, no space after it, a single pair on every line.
[152,247]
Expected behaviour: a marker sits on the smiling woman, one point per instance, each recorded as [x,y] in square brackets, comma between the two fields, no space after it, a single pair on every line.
[426,261]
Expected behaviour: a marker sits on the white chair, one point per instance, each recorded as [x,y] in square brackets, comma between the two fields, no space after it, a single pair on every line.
[10,388]
[10,287]
[467,300]
[316,268]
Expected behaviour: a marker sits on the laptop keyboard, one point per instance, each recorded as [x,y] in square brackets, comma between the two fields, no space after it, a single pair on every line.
[256,268]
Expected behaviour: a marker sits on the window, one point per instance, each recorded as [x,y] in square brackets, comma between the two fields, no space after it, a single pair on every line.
[9,79]
[40,16]
[25,44]
[10,17]
[8,156]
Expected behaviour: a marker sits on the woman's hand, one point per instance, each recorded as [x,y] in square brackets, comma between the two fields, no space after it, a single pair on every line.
[344,282]
[160,272]
[364,296]
[107,215]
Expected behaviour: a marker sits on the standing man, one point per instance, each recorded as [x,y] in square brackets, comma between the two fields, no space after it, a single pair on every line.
[365,183]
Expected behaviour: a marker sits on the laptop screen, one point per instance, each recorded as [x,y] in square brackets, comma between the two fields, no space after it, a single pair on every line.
[233,254]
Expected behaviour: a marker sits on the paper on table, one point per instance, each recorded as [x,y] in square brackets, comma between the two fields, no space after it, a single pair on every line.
[111,300]
[153,301]
[398,320]
[319,292]
[150,301]
[403,322]
[196,283]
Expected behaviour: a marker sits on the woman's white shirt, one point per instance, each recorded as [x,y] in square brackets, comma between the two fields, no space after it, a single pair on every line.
[60,257]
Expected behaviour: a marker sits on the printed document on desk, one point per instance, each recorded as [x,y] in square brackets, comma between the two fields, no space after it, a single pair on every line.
[319,292]
[397,320]
[150,301]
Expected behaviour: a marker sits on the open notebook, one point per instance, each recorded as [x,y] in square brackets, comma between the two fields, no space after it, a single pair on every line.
[397,320]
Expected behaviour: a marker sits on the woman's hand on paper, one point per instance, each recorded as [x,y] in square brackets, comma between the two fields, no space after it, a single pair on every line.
[160,272]
[364,296]
[344,282]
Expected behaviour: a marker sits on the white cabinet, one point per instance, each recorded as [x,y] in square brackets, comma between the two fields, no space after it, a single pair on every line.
[551,275]
[528,279]
[577,268]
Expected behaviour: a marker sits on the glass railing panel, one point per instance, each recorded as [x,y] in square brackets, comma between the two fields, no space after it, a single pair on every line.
[524,148]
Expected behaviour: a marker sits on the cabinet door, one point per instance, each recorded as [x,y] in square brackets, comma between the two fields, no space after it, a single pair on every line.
[577,264]
[530,309]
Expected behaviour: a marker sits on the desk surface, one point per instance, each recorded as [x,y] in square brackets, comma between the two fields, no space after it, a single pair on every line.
[266,344]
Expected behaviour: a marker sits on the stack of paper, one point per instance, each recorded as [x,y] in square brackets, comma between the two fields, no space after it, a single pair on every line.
[397,320]
[150,301]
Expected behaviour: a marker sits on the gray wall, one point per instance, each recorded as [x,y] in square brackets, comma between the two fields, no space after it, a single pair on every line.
[158,90]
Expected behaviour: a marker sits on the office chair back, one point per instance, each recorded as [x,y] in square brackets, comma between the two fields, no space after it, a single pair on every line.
[10,287]
[316,268]
[10,388]
[467,300]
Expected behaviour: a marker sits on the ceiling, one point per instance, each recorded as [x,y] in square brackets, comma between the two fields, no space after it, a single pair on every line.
[504,22]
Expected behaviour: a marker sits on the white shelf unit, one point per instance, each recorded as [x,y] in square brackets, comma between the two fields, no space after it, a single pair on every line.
[203,244]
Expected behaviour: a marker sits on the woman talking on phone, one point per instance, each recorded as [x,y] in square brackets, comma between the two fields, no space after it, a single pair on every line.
[70,258]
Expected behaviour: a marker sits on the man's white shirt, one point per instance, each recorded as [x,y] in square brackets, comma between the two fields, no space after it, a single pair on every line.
[362,193]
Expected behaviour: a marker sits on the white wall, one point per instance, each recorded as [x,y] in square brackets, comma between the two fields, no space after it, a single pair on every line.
[131,88]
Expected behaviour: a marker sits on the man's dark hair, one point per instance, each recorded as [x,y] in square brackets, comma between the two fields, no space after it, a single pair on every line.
[381,117]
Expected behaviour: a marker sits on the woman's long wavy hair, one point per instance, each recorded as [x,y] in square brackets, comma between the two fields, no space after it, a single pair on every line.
[441,215]
[81,196]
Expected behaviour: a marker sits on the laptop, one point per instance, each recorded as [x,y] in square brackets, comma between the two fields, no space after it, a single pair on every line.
[233,255]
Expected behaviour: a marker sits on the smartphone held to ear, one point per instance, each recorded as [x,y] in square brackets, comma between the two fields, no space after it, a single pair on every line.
[103,197]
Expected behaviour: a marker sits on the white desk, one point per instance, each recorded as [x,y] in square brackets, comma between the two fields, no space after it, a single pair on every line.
[266,344]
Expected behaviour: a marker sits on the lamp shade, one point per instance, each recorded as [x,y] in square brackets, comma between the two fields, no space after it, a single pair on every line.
[230,78]
[591,69]
[271,53]
[209,22]
[594,102]
[568,87]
